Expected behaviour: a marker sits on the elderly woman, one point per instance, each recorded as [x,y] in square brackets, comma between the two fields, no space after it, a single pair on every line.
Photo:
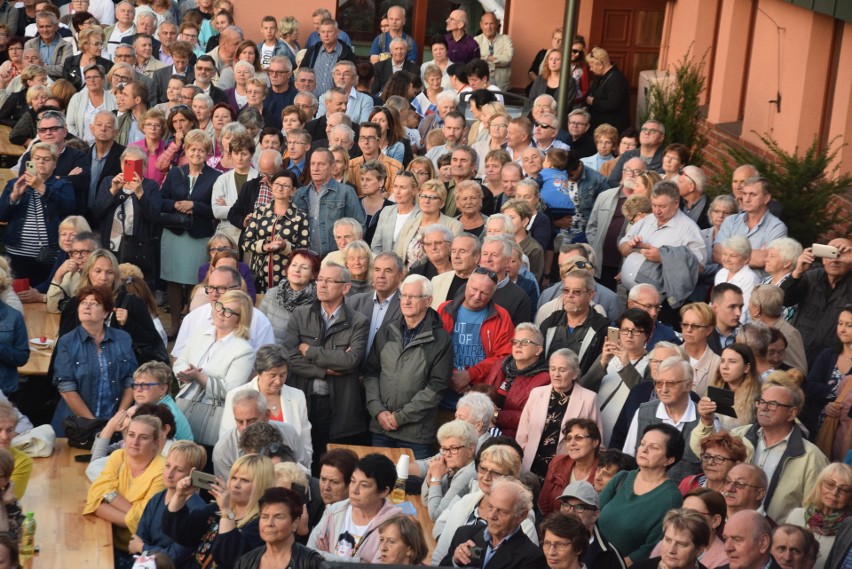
[608,98]
[367,507]
[431,199]
[781,257]
[335,476]
[153,144]
[606,143]
[172,95]
[241,72]
[634,503]
[286,404]
[215,361]
[520,373]
[449,473]
[275,230]
[549,408]
[186,195]
[202,106]
[298,288]
[478,410]
[498,128]
[131,477]
[94,362]
[736,251]
[14,65]
[15,106]
[255,94]
[492,464]
[826,507]
[179,123]
[697,323]
[229,184]
[85,104]
[564,540]
[469,198]
[13,338]
[358,259]
[221,158]
[675,157]
[25,130]
[280,511]
[426,102]
[720,452]
[225,530]
[686,535]
[582,443]
[393,219]
[90,41]
[151,386]
[401,542]
[547,82]
[31,236]
[373,175]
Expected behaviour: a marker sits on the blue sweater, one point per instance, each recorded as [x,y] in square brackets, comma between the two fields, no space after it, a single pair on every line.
[150,529]
[14,348]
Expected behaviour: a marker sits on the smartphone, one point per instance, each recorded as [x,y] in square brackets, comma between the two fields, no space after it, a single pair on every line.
[130,168]
[475,553]
[202,480]
[612,334]
[825,251]
[31,167]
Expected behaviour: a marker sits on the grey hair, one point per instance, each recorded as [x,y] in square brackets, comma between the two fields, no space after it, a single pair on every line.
[757,336]
[247,65]
[583,112]
[788,248]
[309,95]
[438,228]
[569,355]
[146,14]
[508,227]
[548,98]
[477,244]
[458,429]
[206,99]
[637,290]
[587,278]
[281,59]
[447,95]
[660,126]
[270,356]
[480,405]
[529,182]
[349,65]
[698,177]
[400,266]
[725,199]
[502,240]
[48,16]
[343,272]
[346,130]
[356,225]
[425,284]
[532,329]
[251,396]
[278,160]
[739,244]
[770,300]
[234,29]
[671,346]
[666,188]
[333,91]
[676,362]
[398,40]
[133,151]
[232,129]
[523,497]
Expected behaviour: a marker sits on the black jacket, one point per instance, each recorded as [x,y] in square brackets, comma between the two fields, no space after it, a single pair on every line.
[146,212]
[611,102]
[384,70]
[14,107]
[112,165]
[176,188]
[161,80]
[71,69]
[245,203]
[69,159]
[300,558]
[560,338]
[517,551]
[187,527]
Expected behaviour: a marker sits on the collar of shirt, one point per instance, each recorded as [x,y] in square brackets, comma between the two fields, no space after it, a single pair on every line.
[688,416]
[330,319]
[503,282]
[761,439]
[384,302]
[491,549]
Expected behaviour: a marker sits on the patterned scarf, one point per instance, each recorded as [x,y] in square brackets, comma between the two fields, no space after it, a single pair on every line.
[289,299]
[824,524]
[511,371]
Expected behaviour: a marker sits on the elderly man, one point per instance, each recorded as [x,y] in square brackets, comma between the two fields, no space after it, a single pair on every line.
[341,135]
[820,294]
[396,61]
[346,230]
[496,49]
[748,540]
[545,129]
[146,23]
[545,104]
[305,80]
[221,280]
[790,461]
[326,342]
[745,489]
[647,298]
[257,191]
[104,154]
[381,305]
[576,327]
[334,100]
[461,48]
[447,102]
[465,252]
[453,129]
[582,138]
[766,305]
[501,544]
[358,104]
[577,256]
[650,150]
[122,28]
[436,245]
[657,244]
[674,407]
[280,94]
[317,17]
[316,199]
[323,56]
[407,371]
[693,201]
[53,50]
[382,46]
[369,135]
[496,254]
[606,223]
[223,54]
[251,407]
[518,137]
[167,33]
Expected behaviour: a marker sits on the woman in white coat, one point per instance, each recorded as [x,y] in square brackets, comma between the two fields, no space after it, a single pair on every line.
[215,361]
[228,185]
[88,102]
[286,404]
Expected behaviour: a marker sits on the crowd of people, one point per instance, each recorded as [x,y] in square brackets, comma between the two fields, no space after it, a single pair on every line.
[594,363]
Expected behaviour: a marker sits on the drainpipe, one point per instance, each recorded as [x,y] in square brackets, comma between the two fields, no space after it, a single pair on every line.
[564,107]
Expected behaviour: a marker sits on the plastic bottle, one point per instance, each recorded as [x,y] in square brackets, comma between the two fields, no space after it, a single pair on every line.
[28,531]
[398,493]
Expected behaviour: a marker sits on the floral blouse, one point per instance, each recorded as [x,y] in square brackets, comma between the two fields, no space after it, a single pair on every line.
[268,267]
[550,434]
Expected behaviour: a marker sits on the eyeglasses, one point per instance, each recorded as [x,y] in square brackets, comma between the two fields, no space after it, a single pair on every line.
[687,176]
[715,459]
[831,486]
[282,186]
[740,485]
[120,78]
[50,129]
[542,125]
[582,265]
[412,296]
[427,197]
[80,252]
[221,248]
[225,311]
[525,342]
[152,125]
[646,130]
[771,405]
[631,332]
[574,291]
[693,326]
[577,123]
[277,72]
[579,508]
[649,307]
[488,473]
[560,546]
[143,386]
[434,243]
[368,138]
[451,450]
[666,384]
[633,172]
[487,272]
[219,289]
[578,438]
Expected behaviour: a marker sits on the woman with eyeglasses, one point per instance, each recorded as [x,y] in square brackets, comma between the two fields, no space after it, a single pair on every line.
[548,410]
[720,452]
[827,506]
[697,323]
[90,41]
[493,462]
[426,102]
[580,462]
[564,541]
[93,362]
[221,157]
[274,231]
[153,145]
[498,128]
[14,65]
[85,104]
[431,199]
[298,288]
[215,361]
[240,73]
[521,372]
[448,474]
[738,373]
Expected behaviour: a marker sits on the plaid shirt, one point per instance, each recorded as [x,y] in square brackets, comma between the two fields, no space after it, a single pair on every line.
[264,196]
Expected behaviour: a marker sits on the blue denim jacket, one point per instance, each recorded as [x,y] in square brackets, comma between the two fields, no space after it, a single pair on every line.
[338,200]
[14,348]
[76,368]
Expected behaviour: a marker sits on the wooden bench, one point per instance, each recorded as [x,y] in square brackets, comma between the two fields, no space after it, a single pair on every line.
[39,323]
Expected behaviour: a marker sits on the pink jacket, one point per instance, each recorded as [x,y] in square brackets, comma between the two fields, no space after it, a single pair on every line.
[583,404]
[324,536]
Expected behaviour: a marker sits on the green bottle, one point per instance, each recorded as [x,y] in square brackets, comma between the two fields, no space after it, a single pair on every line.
[28,531]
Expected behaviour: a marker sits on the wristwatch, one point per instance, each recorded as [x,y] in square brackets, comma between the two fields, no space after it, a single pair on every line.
[434,480]
[110,497]
[229,515]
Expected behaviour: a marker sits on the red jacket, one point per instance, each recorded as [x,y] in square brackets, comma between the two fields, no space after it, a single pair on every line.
[516,398]
[557,478]
[495,334]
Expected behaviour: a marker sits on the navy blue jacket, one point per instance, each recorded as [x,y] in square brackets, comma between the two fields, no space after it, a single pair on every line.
[176,188]
[57,202]
[150,529]
[14,348]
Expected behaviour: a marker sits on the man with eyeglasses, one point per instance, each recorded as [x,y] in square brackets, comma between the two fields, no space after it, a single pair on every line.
[151,386]
[646,297]
[407,370]
[496,254]
[66,279]
[52,49]
[545,128]
[205,69]
[781,449]
[580,500]
[650,151]
[326,342]
[461,48]
[744,488]
[298,143]
[221,280]
[579,127]
[576,256]
[546,105]
[674,407]
[282,93]
[72,164]
[369,134]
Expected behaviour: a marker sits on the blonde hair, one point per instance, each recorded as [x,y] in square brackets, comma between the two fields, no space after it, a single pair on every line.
[195,454]
[361,247]
[261,472]
[243,329]
[835,468]
[200,137]
[289,473]
[76,222]
[436,186]
[505,456]
[90,262]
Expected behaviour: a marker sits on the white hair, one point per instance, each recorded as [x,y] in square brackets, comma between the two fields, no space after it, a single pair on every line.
[425,284]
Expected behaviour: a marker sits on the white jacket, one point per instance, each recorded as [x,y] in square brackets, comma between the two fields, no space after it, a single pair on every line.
[229,365]
[76,115]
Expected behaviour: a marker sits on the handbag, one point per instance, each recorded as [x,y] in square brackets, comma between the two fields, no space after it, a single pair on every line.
[175,220]
[828,431]
[81,432]
[204,417]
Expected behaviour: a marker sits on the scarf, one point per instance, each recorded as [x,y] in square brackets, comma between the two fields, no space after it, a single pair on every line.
[511,371]
[824,524]
[289,299]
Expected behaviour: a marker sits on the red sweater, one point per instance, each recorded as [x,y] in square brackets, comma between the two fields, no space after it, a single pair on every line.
[516,398]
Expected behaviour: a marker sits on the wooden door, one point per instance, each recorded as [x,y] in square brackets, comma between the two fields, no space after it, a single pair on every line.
[631,33]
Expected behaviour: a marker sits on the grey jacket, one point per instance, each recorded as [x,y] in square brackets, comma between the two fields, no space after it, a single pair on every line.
[599,221]
[675,276]
[363,304]
[410,381]
[61,52]
[341,349]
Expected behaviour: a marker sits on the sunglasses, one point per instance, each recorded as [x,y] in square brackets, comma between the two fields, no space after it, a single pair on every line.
[487,272]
